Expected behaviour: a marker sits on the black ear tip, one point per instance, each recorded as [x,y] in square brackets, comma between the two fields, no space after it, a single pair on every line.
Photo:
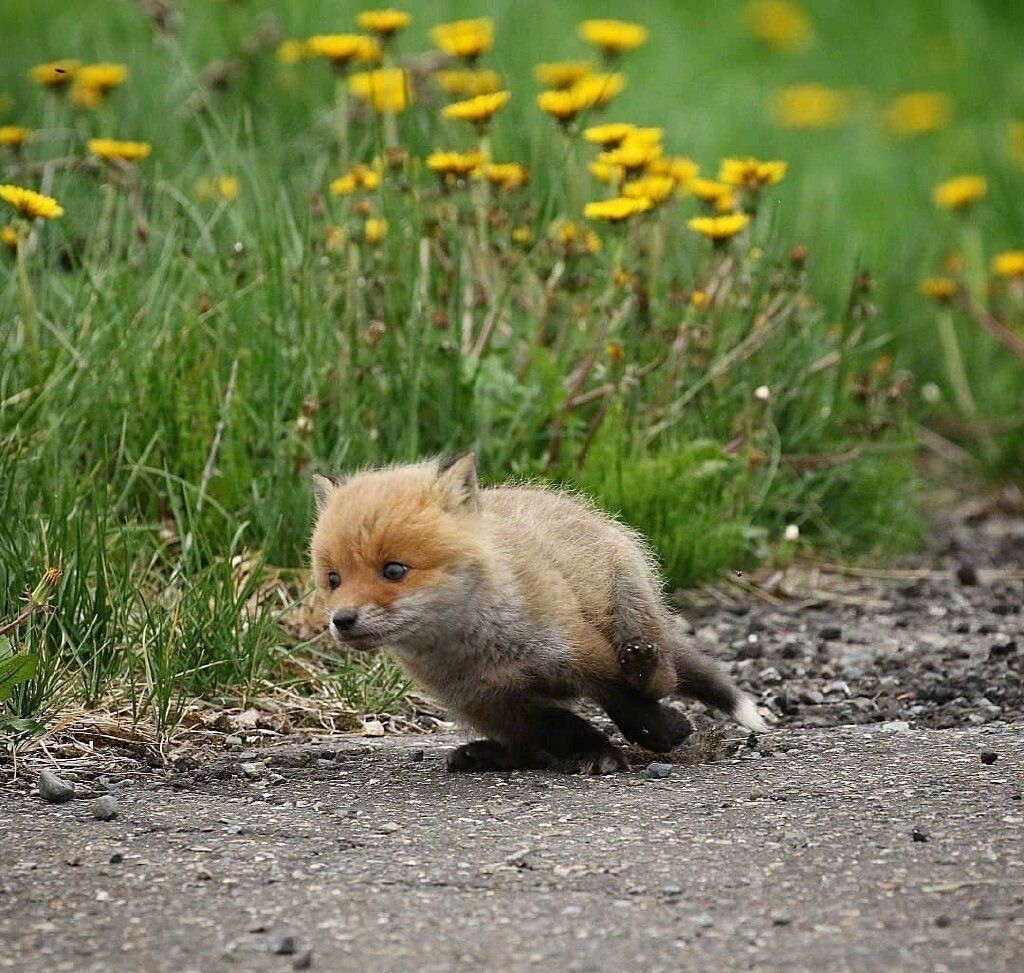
[445,463]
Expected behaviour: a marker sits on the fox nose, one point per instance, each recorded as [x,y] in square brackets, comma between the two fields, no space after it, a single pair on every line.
[344,619]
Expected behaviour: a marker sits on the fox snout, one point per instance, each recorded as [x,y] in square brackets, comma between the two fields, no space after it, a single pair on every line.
[348,625]
[344,619]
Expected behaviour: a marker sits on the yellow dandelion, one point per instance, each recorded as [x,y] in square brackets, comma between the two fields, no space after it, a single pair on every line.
[1008,264]
[30,204]
[358,177]
[960,193]
[615,351]
[605,173]
[14,136]
[751,174]
[631,155]
[114,150]
[564,105]
[710,191]
[699,300]
[562,74]
[613,36]
[384,89]
[522,235]
[386,23]
[467,84]
[679,168]
[616,210]
[505,175]
[455,163]
[479,110]
[344,49]
[54,74]
[810,106]
[224,187]
[101,77]
[654,188]
[292,52]
[598,89]
[374,230]
[719,228]
[467,39]
[9,237]
[576,239]
[941,289]
[783,26]
[610,135]
[919,112]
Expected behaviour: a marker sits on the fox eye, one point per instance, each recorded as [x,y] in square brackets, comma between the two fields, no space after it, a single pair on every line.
[394,571]
[333,580]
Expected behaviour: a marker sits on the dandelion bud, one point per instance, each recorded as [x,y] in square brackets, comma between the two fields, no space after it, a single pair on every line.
[43,591]
[798,256]
[762,393]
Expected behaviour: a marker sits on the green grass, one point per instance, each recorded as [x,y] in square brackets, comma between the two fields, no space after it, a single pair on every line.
[197,359]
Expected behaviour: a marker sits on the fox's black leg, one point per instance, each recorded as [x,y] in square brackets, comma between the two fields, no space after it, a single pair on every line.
[483,755]
[576,743]
[645,721]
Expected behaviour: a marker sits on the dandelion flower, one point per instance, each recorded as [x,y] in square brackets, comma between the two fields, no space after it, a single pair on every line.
[505,175]
[613,36]
[709,190]
[598,89]
[455,163]
[467,39]
[919,112]
[117,151]
[224,187]
[1009,264]
[384,89]
[9,237]
[960,193]
[344,49]
[810,106]
[374,230]
[358,177]
[29,204]
[610,135]
[615,352]
[14,136]
[479,110]
[386,22]
[564,105]
[616,210]
[468,84]
[562,74]
[679,168]
[576,239]
[719,228]
[750,173]
[654,188]
[631,155]
[93,82]
[522,235]
[941,289]
[783,26]
[54,74]
[605,173]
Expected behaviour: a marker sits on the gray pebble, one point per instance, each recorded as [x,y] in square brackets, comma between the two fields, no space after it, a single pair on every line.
[281,943]
[304,960]
[105,808]
[657,771]
[253,770]
[54,789]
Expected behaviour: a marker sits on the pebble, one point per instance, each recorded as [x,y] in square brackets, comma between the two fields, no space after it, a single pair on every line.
[417,756]
[966,573]
[896,726]
[304,960]
[281,943]
[943,921]
[252,770]
[373,728]
[918,835]
[105,808]
[830,633]
[989,757]
[657,771]
[116,858]
[55,789]
[231,740]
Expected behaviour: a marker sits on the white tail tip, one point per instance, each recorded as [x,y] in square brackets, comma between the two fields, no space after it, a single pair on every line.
[747,715]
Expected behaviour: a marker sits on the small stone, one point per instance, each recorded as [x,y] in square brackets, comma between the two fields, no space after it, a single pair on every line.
[105,808]
[1000,650]
[943,922]
[781,920]
[232,740]
[417,756]
[657,771]
[966,573]
[830,633]
[282,943]
[918,835]
[373,728]
[989,757]
[204,874]
[896,726]
[252,770]
[304,960]
[55,789]
[116,857]
[962,628]
[390,827]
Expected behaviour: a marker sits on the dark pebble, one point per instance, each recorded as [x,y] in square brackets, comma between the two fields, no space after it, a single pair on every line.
[657,771]
[1002,649]
[55,789]
[830,633]
[417,756]
[918,835]
[989,756]
[1001,608]
[962,628]
[281,943]
[987,628]
[966,573]
[116,857]
[943,922]
[105,808]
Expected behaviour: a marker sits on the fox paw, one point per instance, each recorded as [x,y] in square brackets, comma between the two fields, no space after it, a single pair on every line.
[638,658]
[605,759]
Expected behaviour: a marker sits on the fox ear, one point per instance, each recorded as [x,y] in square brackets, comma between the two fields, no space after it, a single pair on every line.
[324,486]
[456,476]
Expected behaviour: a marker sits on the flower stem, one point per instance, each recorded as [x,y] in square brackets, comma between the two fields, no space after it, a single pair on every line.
[955,364]
[30,331]
[974,261]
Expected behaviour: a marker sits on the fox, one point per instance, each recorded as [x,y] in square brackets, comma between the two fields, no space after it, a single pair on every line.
[510,604]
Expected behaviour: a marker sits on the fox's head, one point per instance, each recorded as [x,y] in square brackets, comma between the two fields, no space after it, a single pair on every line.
[397,552]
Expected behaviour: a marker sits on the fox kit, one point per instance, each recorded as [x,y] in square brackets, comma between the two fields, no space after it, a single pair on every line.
[508,604]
